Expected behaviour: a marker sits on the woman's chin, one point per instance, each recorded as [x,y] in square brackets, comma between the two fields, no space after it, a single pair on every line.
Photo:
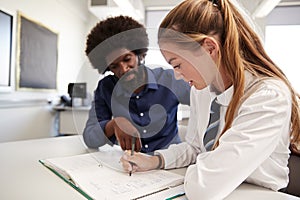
[198,86]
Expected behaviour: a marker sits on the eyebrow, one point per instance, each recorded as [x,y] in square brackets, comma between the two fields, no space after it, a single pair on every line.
[169,61]
[120,58]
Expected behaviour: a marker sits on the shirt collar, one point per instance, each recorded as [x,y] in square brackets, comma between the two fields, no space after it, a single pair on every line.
[225,97]
[152,83]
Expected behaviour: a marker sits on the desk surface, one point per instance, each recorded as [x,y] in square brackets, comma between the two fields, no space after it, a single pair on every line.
[69,108]
[23,177]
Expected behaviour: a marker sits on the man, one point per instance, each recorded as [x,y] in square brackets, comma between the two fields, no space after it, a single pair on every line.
[134,103]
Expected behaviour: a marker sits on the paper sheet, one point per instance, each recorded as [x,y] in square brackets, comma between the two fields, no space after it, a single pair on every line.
[101,176]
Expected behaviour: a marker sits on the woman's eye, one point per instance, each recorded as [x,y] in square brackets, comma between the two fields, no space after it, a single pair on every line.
[177,66]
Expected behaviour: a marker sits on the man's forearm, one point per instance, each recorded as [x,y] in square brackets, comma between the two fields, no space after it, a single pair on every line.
[109,128]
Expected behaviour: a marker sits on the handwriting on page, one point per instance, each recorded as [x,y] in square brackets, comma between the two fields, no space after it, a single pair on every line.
[136,183]
[105,183]
[101,176]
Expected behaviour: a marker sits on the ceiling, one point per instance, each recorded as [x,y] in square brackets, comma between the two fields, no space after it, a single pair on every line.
[160,3]
[150,4]
[256,8]
[290,2]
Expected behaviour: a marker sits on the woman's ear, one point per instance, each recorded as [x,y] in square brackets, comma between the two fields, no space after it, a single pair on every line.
[211,46]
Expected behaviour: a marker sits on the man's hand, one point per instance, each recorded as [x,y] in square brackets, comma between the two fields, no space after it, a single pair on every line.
[124,131]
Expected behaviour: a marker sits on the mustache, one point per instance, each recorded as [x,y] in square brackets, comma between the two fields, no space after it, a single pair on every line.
[128,74]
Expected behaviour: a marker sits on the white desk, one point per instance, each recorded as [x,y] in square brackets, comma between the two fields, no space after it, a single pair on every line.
[23,177]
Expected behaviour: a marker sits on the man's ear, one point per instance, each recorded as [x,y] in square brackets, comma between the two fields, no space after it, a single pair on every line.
[141,58]
[211,46]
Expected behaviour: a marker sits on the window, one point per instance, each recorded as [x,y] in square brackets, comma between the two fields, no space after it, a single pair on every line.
[154,57]
[6,24]
[282,41]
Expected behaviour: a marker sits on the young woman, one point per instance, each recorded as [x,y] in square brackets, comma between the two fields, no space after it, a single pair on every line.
[211,46]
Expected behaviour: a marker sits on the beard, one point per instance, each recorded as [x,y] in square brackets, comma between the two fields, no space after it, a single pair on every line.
[133,79]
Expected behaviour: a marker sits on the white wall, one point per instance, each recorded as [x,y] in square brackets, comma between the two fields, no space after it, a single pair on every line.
[72,21]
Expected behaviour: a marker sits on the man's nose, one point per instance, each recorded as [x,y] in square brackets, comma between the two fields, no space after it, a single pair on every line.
[124,67]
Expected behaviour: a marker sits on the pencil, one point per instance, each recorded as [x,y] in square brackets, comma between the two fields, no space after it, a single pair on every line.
[132,151]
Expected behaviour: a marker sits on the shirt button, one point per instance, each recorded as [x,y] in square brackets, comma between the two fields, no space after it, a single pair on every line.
[137,97]
[146,146]
[141,114]
[144,131]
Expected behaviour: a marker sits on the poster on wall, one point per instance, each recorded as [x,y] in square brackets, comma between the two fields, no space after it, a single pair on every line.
[37,56]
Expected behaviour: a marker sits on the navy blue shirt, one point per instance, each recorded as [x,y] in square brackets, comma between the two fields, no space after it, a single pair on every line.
[153,111]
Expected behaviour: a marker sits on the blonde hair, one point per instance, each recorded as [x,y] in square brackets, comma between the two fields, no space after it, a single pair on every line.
[241,48]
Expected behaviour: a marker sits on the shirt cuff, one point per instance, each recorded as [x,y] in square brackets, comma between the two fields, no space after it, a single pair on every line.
[103,124]
[169,158]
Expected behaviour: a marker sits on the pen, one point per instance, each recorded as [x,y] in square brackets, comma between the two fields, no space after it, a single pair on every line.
[175,196]
[132,151]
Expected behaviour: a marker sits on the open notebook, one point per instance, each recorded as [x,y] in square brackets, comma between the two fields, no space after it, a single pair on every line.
[99,175]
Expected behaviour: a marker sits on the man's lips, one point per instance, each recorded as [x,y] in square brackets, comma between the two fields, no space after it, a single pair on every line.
[128,76]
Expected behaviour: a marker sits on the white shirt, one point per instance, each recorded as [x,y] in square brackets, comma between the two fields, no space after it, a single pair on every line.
[255,149]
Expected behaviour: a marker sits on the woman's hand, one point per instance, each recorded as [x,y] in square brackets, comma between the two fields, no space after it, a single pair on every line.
[139,162]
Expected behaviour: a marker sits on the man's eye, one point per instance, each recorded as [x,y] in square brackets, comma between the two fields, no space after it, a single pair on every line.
[112,66]
[127,59]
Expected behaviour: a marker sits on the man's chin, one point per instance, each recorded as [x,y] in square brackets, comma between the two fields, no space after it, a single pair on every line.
[129,77]
[129,85]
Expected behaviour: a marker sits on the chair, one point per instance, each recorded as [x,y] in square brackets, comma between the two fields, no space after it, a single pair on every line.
[293,187]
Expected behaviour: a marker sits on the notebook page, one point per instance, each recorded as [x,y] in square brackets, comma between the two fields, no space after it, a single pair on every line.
[105,183]
[91,174]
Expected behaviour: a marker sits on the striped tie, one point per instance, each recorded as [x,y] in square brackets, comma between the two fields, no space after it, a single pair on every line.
[213,126]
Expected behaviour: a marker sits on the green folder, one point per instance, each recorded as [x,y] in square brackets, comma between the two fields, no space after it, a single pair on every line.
[70,182]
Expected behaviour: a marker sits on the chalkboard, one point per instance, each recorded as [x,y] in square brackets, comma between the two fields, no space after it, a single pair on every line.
[37,55]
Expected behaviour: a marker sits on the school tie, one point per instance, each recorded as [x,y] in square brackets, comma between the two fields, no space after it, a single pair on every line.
[213,125]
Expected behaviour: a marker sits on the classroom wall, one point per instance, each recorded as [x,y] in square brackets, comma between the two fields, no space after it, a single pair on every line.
[27,114]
